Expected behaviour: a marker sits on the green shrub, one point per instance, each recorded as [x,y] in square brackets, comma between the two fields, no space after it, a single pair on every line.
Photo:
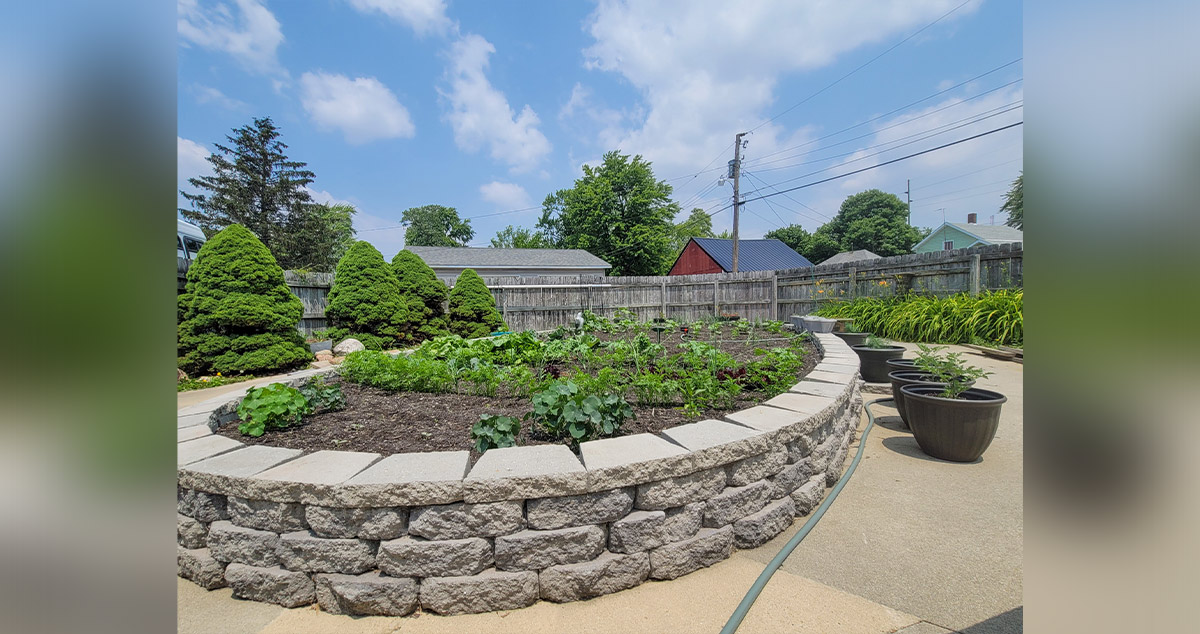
[275,406]
[237,314]
[495,431]
[472,308]
[418,280]
[995,317]
[366,300]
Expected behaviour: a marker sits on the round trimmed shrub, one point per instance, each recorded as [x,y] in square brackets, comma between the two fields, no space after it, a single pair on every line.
[472,308]
[366,302]
[418,280]
[237,315]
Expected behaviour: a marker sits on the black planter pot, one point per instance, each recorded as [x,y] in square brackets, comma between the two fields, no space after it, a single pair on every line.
[853,338]
[899,379]
[957,429]
[872,362]
[902,365]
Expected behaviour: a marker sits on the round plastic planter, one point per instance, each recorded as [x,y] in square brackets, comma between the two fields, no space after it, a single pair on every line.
[956,429]
[905,365]
[818,324]
[853,338]
[873,362]
[900,378]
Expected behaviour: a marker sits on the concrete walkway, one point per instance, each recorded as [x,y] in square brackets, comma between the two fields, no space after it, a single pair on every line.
[912,545]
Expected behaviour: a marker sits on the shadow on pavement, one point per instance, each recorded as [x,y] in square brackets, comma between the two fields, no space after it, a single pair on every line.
[1003,623]
[907,446]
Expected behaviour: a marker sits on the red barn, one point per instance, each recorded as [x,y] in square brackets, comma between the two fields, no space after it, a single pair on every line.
[713,255]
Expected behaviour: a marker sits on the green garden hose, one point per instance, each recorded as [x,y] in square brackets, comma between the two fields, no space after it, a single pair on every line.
[740,613]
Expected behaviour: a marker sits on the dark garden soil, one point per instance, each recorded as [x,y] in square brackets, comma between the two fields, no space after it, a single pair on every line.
[385,422]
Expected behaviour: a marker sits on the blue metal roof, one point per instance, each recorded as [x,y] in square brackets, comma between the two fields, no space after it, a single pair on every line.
[753,255]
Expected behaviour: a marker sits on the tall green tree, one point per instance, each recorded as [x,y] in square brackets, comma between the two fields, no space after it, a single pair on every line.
[1014,204]
[795,236]
[617,212]
[512,237]
[237,315]
[256,185]
[366,301]
[697,225]
[436,226]
[873,220]
[418,280]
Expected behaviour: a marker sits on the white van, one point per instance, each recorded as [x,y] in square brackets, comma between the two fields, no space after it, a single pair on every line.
[188,240]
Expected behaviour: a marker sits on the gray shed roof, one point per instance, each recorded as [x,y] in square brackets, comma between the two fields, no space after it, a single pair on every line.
[995,234]
[753,255]
[486,257]
[851,256]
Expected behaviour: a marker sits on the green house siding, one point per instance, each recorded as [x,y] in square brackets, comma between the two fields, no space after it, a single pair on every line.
[936,240]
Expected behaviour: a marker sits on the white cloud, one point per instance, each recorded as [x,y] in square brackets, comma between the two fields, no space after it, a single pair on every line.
[362,108]
[424,16]
[505,195]
[191,160]
[252,36]
[707,69]
[209,95]
[326,198]
[480,114]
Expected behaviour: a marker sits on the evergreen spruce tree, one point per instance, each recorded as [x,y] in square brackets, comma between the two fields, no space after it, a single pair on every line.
[366,302]
[418,280]
[472,308]
[237,314]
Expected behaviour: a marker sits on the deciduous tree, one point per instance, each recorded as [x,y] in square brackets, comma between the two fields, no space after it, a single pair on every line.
[436,226]
[1014,204]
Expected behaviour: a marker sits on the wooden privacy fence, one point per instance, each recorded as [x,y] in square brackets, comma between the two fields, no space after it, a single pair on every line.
[546,302]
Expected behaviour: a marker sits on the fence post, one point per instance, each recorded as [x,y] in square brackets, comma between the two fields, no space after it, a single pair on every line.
[716,299]
[975,265]
[663,297]
[853,282]
[775,296]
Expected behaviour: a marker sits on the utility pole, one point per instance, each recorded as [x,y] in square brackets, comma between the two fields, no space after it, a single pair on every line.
[735,172]
[908,201]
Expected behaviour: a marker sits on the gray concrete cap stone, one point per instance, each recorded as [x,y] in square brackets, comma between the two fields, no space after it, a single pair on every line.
[199,567]
[193,432]
[280,517]
[708,547]
[600,507]
[514,473]
[198,449]
[414,557]
[368,594]
[756,468]
[765,418]
[605,574]
[819,388]
[372,523]
[534,550]
[309,478]
[270,585]
[627,460]
[639,531]
[735,503]
[694,487]
[809,495]
[488,591]
[192,420]
[231,543]
[803,403]
[305,552]
[220,473]
[462,520]
[756,529]
[835,367]
[718,443]
[408,479]
[837,378]
[190,533]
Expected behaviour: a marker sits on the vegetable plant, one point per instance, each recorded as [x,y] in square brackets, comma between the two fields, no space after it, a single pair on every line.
[495,431]
[948,368]
[274,406]
[877,342]
[323,396]
[563,411]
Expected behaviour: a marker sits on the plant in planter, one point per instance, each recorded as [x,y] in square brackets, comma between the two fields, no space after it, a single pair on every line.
[950,419]
[873,356]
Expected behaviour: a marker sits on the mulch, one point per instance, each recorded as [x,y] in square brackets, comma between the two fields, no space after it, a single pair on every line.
[386,422]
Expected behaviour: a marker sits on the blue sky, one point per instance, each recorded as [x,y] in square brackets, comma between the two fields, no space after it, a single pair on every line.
[488,106]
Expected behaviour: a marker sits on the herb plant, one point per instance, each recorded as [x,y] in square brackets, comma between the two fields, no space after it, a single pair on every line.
[948,368]
[275,406]
[323,396]
[877,342]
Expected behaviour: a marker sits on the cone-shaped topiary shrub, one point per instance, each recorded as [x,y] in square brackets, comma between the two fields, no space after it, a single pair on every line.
[418,280]
[472,308]
[237,315]
[366,302]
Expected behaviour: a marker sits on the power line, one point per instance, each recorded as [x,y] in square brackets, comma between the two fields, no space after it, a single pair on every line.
[862,66]
[498,213]
[987,193]
[766,184]
[946,180]
[965,189]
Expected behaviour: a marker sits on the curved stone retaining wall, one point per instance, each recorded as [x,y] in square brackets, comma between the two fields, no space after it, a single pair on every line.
[361,533]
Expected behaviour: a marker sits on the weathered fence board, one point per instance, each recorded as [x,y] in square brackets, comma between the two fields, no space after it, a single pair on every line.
[541,303]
